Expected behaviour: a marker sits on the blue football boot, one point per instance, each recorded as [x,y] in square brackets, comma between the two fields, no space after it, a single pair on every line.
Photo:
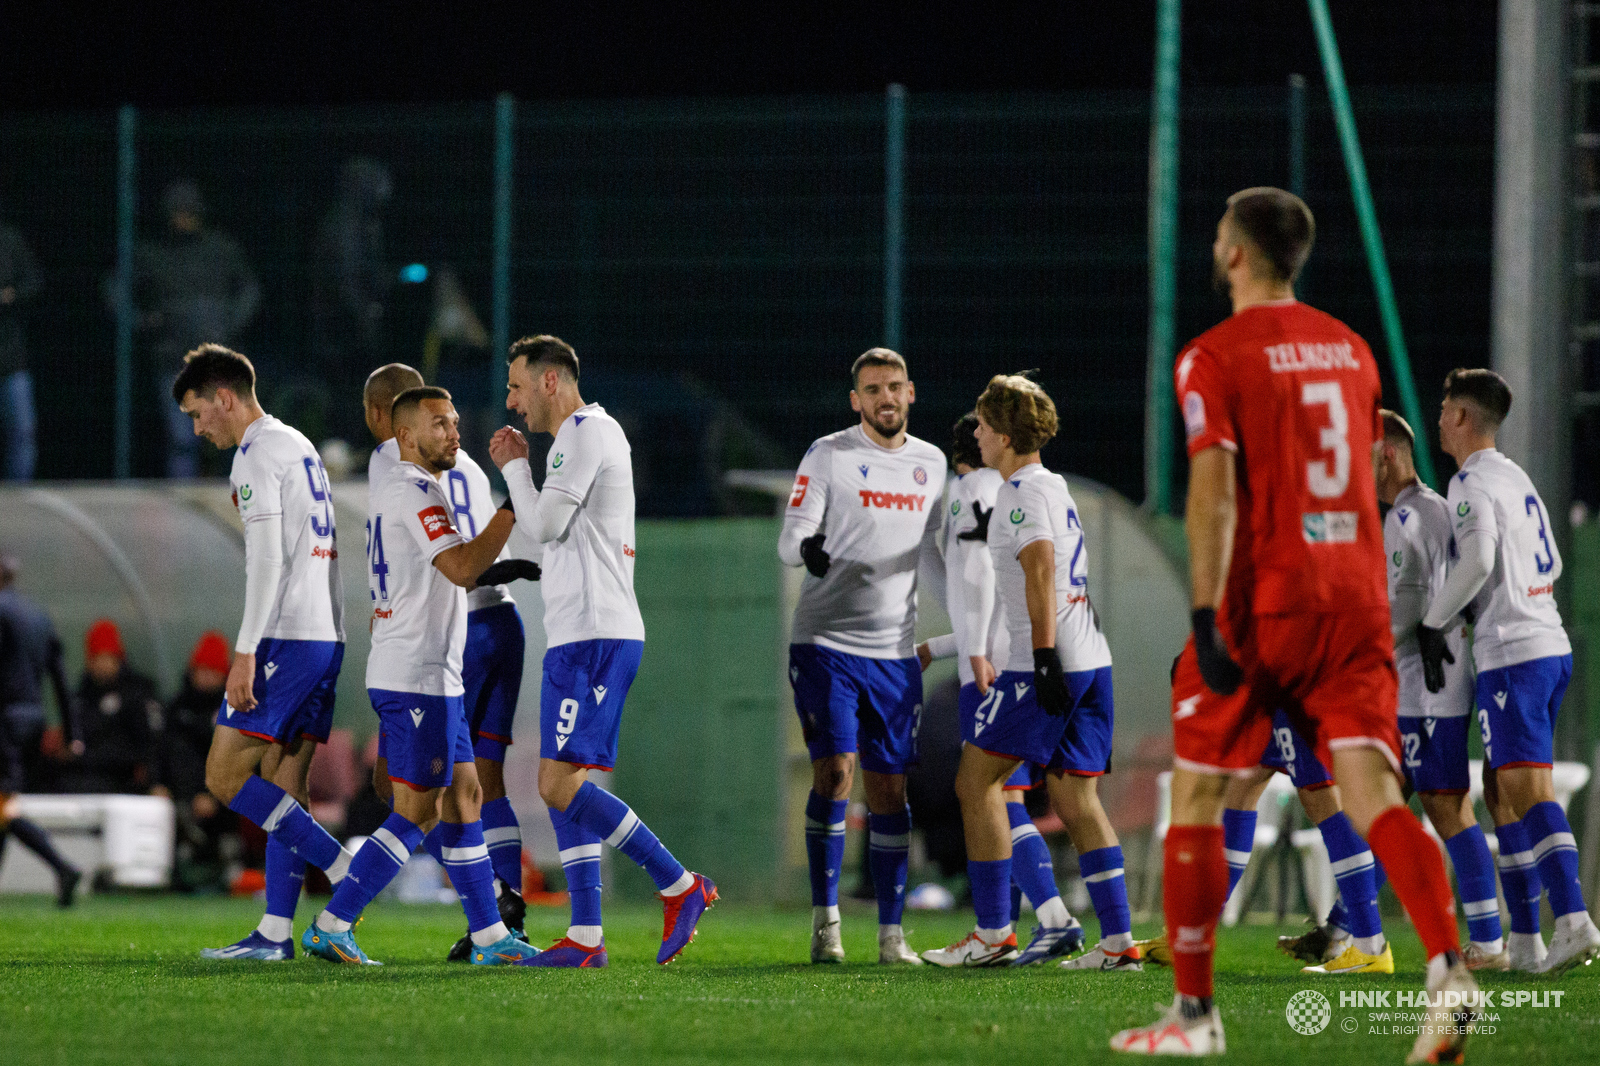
[335,947]
[1048,943]
[683,913]
[254,946]
[506,952]
[569,954]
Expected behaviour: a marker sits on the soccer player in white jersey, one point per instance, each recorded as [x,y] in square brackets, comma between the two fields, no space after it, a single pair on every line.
[868,494]
[1052,704]
[584,517]
[280,691]
[1506,568]
[978,641]
[418,566]
[491,666]
[1418,543]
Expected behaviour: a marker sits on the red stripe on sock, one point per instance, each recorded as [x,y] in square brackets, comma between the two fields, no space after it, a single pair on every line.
[1194,887]
[1416,870]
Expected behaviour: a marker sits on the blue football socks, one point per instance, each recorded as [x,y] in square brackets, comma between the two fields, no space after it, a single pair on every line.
[608,818]
[1355,870]
[1108,890]
[286,875]
[504,837]
[580,862]
[374,866]
[1238,841]
[1031,868]
[825,847]
[1469,852]
[1555,854]
[466,860]
[991,891]
[275,811]
[1519,876]
[888,852]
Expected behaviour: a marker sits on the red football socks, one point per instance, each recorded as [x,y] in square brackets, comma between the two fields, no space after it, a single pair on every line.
[1416,870]
[1194,888]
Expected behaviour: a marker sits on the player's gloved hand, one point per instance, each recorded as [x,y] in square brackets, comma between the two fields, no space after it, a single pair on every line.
[506,506]
[817,561]
[1050,682]
[1217,667]
[1435,653]
[981,530]
[509,570]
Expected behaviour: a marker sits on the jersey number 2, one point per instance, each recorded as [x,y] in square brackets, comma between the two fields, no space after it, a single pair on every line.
[1326,484]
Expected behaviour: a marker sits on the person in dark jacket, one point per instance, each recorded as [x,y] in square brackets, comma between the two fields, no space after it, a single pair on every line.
[191,285]
[20,282]
[29,649]
[120,717]
[351,288]
[190,719]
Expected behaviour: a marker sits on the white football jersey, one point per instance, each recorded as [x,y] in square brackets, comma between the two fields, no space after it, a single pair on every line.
[419,617]
[1517,620]
[1034,505]
[1419,546]
[879,511]
[976,617]
[588,570]
[277,473]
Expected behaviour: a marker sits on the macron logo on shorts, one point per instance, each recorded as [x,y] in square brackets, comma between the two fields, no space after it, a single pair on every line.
[269,670]
[435,521]
[416,717]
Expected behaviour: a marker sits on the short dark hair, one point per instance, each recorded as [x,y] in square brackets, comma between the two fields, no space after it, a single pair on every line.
[876,357]
[389,381]
[1278,224]
[1486,390]
[1396,430]
[545,350]
[211,367]
[964,441]
[412,399]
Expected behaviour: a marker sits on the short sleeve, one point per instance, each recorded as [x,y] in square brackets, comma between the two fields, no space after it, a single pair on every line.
[258,487]
[427,517]
[575,458]
[1030,519]
[1471,508]
[1202,396]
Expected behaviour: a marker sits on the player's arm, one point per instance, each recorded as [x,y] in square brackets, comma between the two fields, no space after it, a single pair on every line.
[931,562]
[1210,519]
[261,507]
[973,617]
[1477,539]
[464,563]
[800,541]
[1038,561]
[543,516]
[1409,567]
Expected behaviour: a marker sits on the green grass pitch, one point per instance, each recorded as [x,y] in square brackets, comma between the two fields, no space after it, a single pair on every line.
[117,980]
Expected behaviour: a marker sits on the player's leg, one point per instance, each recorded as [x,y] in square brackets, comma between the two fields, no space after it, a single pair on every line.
[1082,756]
[273,938]
[231,776]
[1519,879]
[826,695]
[583,730]
[1364,949]
[466,860]
[1239,816]
[1523,733]
[492,674]
[27,833]
[888,723]
[979,778]
[1033,874]
[1453,818]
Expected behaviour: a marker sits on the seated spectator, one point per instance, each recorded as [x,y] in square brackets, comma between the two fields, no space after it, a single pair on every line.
[119,715]
[185,739]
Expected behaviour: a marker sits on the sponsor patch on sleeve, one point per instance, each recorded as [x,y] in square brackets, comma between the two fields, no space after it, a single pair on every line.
[1194,414]
[801,484]
[435,522]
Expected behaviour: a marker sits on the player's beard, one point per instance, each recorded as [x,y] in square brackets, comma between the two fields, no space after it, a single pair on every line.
[443,459]
[892,423]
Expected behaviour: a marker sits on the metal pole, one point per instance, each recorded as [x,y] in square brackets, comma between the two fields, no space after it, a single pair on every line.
[1371,238]
[1297,152]
[126,204]
[894,233]
[505,114]
[1163,251]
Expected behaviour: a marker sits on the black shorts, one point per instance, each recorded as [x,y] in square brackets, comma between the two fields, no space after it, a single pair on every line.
[11,771]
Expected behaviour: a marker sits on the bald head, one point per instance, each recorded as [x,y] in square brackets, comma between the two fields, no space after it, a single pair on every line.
[383,385]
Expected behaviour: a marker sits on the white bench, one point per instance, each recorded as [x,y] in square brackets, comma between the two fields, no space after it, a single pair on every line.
[127,838]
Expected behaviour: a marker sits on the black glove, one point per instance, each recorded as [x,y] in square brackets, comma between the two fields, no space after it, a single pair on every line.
[981,530]
[506,506]
[1435,653]
[1221,674]
[509,570]
[1050,683]
[816,560]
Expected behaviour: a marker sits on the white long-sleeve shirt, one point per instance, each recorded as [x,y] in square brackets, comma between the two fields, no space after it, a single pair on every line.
[1507,565]
[878,509]
[1418,543]
[977,620]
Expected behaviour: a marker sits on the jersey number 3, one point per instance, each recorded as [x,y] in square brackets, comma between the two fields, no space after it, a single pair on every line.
[1326,484]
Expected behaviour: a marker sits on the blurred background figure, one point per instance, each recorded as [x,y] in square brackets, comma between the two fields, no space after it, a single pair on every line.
[190,718]
[20,282]
[119,716]
[351,287]
[30,651]
[191,285]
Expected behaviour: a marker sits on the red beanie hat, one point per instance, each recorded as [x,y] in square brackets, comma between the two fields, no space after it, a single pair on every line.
[103,638]
[210,652]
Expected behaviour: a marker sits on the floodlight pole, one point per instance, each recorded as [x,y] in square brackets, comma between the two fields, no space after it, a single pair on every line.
[127,158]
[1367,215]
[505,118]
[894,223]
[1163,253]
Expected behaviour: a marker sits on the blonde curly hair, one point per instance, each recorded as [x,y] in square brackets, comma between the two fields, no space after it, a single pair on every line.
[1016,406]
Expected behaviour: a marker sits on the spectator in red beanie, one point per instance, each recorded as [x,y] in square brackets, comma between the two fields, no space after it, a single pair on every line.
[119,715]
